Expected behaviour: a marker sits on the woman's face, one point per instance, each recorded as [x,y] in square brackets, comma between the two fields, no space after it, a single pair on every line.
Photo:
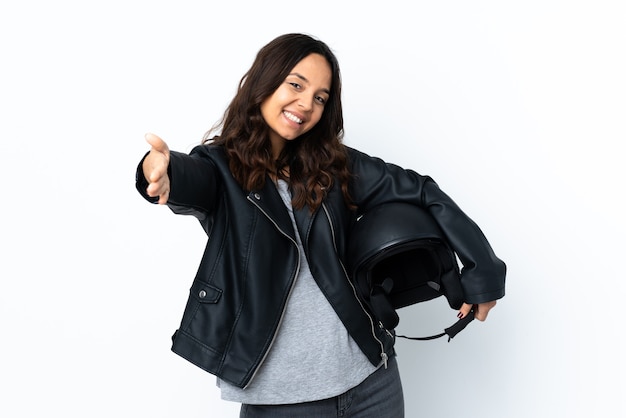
[298,103]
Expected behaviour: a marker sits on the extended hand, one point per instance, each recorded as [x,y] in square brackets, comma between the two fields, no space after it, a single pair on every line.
[155,169]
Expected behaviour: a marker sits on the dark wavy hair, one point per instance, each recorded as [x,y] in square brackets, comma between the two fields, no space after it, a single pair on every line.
[316,159]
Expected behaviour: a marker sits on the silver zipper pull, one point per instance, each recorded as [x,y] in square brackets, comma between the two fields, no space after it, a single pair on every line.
[383,355]
[381,326]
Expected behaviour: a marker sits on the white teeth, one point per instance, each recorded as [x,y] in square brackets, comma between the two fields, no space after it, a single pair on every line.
[292,117]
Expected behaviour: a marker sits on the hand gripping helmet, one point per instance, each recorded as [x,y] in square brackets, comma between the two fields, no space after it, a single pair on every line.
[397,256]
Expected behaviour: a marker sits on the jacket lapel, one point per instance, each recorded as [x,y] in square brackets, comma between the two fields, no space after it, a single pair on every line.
[271,204]
[304,219]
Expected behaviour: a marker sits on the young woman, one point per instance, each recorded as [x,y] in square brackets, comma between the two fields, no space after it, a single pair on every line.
[272,312]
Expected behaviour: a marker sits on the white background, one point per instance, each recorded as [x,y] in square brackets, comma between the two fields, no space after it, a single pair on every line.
[516,108]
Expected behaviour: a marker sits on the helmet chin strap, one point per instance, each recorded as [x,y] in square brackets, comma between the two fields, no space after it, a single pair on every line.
[451,331]
[389,318]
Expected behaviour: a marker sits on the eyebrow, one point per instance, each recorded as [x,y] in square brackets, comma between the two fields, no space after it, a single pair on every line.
[303,78]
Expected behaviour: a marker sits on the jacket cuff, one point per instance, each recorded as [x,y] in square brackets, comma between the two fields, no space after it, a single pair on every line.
[141,183]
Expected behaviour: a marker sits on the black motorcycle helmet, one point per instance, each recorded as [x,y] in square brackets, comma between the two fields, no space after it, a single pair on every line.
[398,255]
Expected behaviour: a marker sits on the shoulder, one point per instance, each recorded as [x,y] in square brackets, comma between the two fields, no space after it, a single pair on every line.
[354,153]
[209,151]
[359,161]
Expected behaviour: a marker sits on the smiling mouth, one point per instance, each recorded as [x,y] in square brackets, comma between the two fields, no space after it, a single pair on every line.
[293,117]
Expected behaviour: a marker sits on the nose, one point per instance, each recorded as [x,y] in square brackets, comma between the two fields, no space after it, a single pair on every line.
[306,102]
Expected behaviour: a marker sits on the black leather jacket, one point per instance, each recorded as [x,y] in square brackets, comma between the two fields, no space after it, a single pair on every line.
[251,259]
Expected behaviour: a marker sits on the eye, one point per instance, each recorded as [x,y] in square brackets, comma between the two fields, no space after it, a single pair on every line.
[295,85]
[320,99]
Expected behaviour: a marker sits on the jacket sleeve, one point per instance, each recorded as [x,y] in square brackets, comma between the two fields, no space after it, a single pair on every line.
[376,182]
[193,183]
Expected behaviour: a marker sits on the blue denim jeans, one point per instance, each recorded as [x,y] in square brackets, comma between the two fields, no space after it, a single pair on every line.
[378,396]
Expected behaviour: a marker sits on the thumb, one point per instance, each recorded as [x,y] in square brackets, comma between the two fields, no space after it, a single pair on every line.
[157,144]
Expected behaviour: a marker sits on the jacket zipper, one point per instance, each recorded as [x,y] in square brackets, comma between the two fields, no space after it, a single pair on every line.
[383,354]
[282,314]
